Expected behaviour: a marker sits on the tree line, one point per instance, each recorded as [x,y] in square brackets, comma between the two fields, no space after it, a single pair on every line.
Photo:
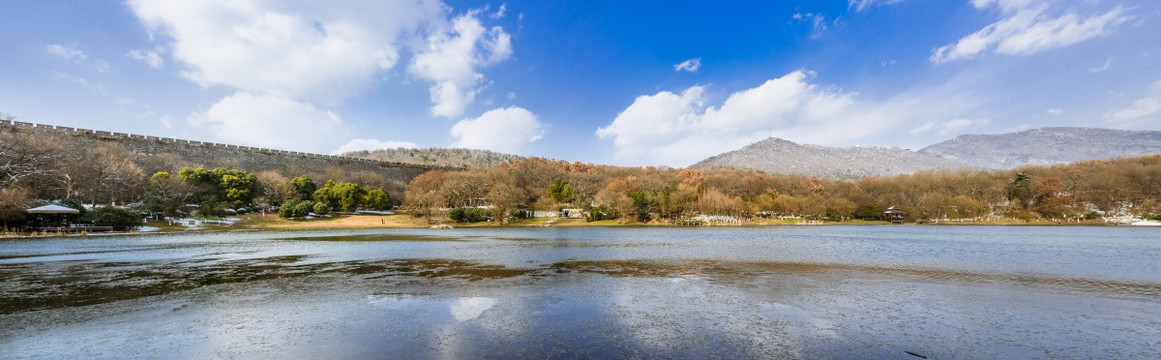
[56,165]
[1083,190]
[220,191]
[39,168]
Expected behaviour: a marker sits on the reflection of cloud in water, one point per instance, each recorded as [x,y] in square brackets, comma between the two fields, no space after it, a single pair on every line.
[452,340]
[469,308]
[461,309]
[455,323]
[704,317]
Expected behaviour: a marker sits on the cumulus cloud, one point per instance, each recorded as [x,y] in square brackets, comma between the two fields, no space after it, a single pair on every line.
[1146,109]
[151,57]
[654,120]
[679,128]
[287,56]
[303,50]
[506,130]
[949,127]
[690,65]
[372,145]
[1029,28]
[451,59]
[310,51]
[271,121]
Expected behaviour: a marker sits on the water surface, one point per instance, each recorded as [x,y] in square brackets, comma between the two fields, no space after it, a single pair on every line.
[784,292]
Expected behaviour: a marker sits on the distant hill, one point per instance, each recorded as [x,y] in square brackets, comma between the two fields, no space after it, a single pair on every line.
[151,154]
[456,158]
[780,156]
[1045,146]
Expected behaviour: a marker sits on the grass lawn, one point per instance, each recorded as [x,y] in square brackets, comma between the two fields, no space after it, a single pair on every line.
[341,221]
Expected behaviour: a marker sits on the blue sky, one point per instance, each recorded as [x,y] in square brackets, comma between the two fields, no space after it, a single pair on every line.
[617,82]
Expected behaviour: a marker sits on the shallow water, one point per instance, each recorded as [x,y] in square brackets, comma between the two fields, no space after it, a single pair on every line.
[781,292]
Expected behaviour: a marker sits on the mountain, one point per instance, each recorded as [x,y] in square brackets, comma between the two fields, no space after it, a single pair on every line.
[1045,146]
[780,156]
[455,157]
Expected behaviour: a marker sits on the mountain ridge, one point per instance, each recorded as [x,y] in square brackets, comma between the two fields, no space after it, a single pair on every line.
[1045,146]
[1040,146]
[776,155]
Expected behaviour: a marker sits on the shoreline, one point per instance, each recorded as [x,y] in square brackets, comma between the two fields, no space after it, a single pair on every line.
[271,222]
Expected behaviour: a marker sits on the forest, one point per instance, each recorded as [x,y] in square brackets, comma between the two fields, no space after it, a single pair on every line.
[38,168]
[43,169]
[1073,192]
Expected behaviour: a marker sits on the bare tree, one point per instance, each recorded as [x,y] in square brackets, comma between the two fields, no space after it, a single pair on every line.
[23,154]
[273,189]
[466,188]
[108,170]
[423,196]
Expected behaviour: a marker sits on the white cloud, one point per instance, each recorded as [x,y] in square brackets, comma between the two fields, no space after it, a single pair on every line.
[451,59]
[94,86]
[1146,109]
[949,127]
[654,120]
[678,129]
[863,5]
[1006,5]
[67,52]
[372,145]
[690,65]
[1028,29]
[1108,63]
[284,57]
[69,78]
[506,130]
[817,22]
[301,50]
[271,121]
[151,57]
[70,52]
[1055,111]
[499,14]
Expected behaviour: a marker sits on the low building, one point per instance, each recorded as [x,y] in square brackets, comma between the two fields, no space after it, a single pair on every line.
[572,214]
[894,215]
[545,214]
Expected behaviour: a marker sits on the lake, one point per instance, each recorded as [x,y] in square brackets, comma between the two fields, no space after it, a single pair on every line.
[896,292]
